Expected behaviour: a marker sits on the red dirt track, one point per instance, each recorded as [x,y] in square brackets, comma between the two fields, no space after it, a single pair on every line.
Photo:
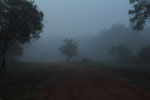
[76,82]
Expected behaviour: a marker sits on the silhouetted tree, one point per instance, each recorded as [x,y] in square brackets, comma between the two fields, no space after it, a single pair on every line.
[144,55]
[69,49]
[14,49]
[140,13]
[20,20]
[121,53]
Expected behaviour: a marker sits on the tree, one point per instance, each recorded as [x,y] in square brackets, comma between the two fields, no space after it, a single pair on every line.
[20,20]
[69,49]
[14,49]
[140,13]
[144,55]
[121,53]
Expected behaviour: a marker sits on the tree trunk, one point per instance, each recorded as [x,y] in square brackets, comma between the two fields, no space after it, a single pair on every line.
[3,63]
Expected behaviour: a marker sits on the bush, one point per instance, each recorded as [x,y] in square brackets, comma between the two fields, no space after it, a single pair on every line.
[122,54]
[144,55]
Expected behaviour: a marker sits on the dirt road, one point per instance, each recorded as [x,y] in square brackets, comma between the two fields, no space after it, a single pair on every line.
[82,83]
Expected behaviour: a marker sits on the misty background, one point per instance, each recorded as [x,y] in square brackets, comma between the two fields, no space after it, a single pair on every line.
[96,25]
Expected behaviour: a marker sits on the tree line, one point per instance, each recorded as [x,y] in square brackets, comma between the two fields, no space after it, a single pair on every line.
[122,54]
[21,22]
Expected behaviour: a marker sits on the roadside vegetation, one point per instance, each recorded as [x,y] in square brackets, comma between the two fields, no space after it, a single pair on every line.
[24,81]
[131,73]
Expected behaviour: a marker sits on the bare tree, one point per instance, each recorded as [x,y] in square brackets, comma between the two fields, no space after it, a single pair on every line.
[69,49]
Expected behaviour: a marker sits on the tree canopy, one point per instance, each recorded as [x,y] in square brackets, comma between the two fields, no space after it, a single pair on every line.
[20,20]
[140,13]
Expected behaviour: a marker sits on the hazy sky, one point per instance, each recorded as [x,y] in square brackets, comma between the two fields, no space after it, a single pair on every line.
[73,17]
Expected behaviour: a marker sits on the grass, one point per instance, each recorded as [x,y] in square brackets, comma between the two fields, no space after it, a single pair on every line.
[135,74]
[25,80]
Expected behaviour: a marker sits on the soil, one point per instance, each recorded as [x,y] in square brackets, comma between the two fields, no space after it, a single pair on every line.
[77,82]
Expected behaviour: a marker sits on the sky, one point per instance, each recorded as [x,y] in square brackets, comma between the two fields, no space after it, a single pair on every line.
[74,18]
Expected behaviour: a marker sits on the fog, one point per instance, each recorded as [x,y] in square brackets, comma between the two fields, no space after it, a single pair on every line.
[75,17]
[74,49]
[90,23]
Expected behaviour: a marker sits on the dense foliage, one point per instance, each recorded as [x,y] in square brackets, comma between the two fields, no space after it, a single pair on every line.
[21,21]
[140,13]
